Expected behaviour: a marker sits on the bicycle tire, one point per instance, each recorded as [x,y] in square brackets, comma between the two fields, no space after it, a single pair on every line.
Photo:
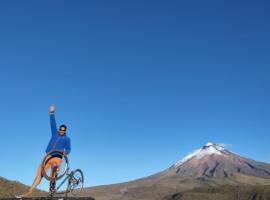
[44,163]
[73,189]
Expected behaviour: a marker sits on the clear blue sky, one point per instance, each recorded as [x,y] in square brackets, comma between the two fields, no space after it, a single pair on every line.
[139,83]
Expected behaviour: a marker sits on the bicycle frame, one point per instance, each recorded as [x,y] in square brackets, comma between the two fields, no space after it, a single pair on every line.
[68,175]
[71,178]
[65,179]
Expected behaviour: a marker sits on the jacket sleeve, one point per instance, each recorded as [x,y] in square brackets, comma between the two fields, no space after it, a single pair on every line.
[68,146]
[53,124]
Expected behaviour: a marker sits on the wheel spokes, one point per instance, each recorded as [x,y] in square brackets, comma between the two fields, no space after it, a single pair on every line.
[76,182]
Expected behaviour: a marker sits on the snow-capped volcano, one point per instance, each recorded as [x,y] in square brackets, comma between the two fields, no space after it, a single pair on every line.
[210,165]
[214,162]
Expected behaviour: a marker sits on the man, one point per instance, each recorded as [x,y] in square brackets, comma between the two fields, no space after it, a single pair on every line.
[59,141]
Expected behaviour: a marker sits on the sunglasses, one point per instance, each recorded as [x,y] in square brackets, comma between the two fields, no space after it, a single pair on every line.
[62,129]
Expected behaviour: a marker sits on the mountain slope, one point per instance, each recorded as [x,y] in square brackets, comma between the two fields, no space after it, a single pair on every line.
[211,165]
[12,188]
[223,193]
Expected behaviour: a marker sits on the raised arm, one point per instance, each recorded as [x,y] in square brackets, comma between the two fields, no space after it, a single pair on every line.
[52,120]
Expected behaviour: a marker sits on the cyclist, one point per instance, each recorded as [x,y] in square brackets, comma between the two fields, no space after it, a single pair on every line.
[59,141]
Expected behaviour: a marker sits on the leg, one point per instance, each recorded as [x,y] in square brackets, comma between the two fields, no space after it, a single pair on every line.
[37,180]
[53,181]
[38,177]
[55,165]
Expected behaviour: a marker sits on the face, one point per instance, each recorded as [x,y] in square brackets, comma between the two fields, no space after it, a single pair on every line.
[62,130]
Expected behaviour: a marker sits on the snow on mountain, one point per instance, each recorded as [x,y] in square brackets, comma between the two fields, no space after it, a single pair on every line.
[208,149]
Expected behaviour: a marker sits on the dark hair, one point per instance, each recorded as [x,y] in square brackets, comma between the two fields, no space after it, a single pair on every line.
[63,126]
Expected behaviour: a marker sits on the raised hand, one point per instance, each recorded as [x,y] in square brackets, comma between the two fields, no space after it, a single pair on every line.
[52,108]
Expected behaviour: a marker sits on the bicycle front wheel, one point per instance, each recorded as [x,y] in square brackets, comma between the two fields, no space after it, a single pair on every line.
[61,172]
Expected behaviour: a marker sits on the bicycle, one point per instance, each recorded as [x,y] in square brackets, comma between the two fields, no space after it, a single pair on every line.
[74,178]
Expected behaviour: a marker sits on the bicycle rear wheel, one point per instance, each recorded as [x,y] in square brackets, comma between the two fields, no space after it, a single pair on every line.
[76,182]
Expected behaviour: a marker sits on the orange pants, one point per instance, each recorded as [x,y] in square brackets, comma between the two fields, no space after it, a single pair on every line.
[53,162]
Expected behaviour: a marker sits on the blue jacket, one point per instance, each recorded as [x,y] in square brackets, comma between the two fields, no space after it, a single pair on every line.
[57,142]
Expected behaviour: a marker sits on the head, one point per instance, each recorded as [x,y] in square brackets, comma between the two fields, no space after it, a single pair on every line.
[62,129]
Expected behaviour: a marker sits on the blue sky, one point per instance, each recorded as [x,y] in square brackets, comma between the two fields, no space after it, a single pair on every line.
[138,83]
